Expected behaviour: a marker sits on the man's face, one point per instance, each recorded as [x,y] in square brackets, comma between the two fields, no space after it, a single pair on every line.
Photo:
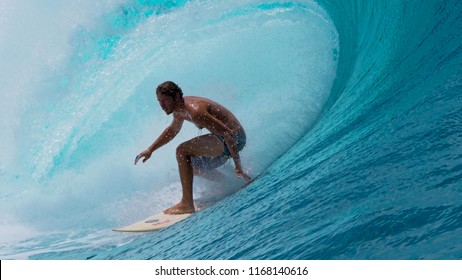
[167,103]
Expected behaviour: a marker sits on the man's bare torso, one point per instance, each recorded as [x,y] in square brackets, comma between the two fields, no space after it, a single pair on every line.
[197,107]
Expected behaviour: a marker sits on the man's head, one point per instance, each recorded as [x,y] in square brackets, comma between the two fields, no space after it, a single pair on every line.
[169,88]
[169,96]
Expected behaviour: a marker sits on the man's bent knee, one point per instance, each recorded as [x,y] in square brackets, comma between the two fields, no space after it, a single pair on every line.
[182,152]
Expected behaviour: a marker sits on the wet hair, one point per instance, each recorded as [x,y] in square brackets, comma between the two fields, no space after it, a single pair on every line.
[169,88]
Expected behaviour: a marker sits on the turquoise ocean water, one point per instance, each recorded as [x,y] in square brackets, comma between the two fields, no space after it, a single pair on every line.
[352,109]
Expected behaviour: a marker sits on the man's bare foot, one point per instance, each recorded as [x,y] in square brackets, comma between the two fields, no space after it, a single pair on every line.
[180,208]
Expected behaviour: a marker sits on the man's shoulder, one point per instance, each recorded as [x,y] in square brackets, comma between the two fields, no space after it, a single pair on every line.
[198,104]
[197,100]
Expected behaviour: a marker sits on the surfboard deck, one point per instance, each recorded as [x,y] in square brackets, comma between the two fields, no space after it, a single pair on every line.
[153,223]
[161,220]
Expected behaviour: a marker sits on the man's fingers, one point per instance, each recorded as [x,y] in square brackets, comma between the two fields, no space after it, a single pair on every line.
[137,159]
[146,157]
[244,176]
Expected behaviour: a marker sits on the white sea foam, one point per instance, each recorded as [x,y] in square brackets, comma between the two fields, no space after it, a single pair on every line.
[78,104]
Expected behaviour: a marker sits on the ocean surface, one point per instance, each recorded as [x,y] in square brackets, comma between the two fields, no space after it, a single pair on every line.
[353,113]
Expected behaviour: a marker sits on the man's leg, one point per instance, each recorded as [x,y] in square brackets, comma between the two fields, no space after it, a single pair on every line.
[206,145]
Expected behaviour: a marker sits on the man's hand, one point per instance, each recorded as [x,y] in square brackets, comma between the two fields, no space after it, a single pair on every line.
[145,155]
[241,174]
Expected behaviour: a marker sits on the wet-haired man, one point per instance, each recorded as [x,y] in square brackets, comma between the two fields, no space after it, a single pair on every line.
[202,153]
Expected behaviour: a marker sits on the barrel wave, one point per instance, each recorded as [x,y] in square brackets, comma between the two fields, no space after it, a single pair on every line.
[352,110]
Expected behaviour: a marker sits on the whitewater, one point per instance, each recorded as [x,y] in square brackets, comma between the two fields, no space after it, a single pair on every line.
[352,112]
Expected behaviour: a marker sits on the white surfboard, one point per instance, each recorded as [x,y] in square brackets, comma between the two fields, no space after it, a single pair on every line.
[153,223]
[161,221]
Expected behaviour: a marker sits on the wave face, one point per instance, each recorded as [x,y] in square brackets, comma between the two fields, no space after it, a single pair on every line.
[352,111]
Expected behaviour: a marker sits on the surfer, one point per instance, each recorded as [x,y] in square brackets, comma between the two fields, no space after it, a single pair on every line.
[202,153]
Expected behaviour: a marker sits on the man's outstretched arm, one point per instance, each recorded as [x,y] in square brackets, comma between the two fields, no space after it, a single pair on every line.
[167,135]
[216,126]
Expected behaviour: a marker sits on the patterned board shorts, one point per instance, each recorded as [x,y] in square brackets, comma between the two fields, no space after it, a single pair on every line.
[209,163]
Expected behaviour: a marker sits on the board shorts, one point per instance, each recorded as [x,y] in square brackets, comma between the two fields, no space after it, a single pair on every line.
[209,163]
